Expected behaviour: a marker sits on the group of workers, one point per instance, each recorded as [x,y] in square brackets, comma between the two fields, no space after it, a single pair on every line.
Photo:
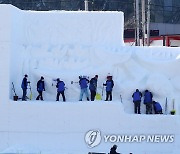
[148,101]
[84,81]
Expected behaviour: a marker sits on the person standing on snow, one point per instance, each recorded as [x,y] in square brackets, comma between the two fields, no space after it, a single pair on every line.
[93,87]
[137,101]
[157,108]
[24,85]
[60,89]
[148,101]
[40,88]
[83,82]
[109,86]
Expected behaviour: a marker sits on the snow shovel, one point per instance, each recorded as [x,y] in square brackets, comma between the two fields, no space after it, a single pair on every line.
[173,111]
[165,107]
[121,99]
[15,97]
[98,96]
[30,96]
[102,91]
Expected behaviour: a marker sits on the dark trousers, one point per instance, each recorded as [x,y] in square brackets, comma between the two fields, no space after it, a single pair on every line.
[93,94]
[108,94]
[58,94]
[149,108]
[39,96]
[24,94]
[137,107]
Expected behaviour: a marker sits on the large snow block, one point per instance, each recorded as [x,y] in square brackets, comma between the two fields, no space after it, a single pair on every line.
[73,28]
[61,127]
[5,26]
[11,24]
[4,75]
[61,27]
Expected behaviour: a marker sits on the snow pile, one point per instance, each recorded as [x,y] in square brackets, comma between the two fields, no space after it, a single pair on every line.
[60,44]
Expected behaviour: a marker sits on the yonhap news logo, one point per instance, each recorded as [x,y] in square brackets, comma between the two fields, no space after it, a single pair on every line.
[153,138]
[94,137]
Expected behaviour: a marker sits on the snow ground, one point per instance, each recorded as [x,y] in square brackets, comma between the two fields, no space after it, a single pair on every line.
[68,44]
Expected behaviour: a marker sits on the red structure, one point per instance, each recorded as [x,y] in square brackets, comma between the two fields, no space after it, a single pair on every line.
[166,39]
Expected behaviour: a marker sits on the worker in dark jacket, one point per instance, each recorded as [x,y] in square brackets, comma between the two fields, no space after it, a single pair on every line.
[157,108]
[93,87]
[24,85]
[40,88]
[148,101]
[109,86]
[83,82]
[137,101]
[113,150]
[60,90]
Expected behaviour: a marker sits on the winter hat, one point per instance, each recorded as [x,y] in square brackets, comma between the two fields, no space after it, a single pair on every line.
[26,75]
[114,146]
[42,78]
[58,79]
[109,77]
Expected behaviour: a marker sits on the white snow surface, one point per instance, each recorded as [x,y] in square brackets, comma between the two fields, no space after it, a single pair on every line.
[61,44]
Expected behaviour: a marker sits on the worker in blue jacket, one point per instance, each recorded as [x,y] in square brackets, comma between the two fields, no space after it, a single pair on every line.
[40,88]
[137,101]
[60,89]
[83,82]
[93,87]
[24,85]
[157,107]
[148,101]
[109,87]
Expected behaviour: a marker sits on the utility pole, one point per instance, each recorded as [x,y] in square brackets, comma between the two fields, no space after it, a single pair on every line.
[135,29]
[137,22]
[148,23]
[86,5]
[143,22]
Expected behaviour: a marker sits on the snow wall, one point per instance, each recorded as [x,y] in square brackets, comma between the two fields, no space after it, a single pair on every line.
[68,44]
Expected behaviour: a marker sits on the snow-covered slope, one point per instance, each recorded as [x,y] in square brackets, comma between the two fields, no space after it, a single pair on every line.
[60,44]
